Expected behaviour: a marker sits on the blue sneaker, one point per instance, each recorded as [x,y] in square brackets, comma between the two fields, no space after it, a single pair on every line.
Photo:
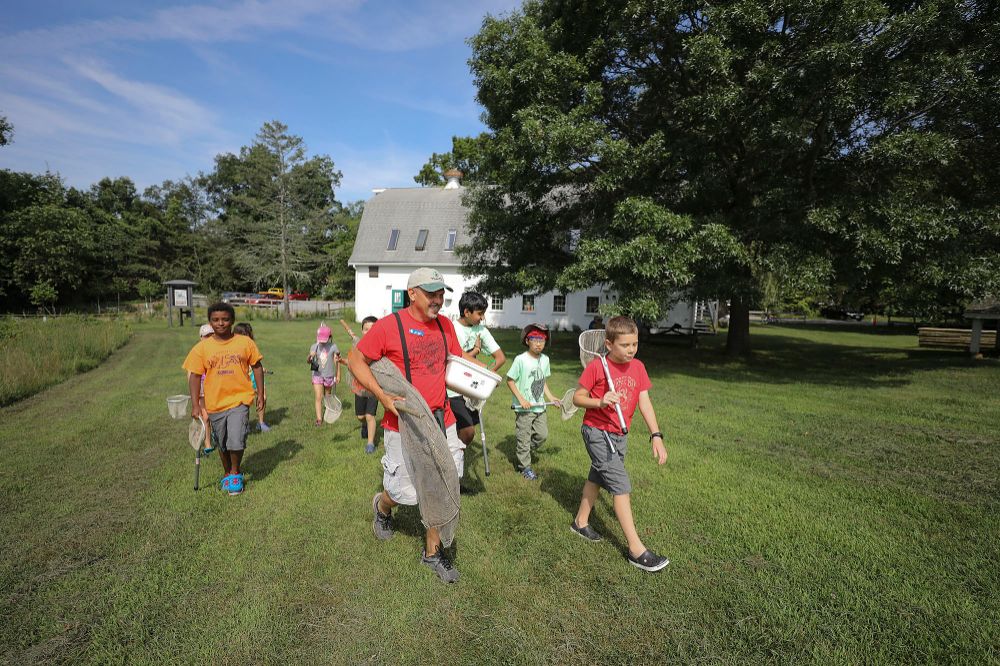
[369,447]
[226,480]
[236,484]
[529,474]
[263,427]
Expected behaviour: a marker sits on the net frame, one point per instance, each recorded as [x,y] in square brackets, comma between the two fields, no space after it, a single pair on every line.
[332,408]
[566,407]
[196,433]
[592,346]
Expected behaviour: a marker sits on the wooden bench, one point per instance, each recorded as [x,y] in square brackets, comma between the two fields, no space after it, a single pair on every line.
[951,338]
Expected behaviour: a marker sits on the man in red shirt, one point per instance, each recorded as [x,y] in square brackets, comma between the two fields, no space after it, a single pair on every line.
[429,339]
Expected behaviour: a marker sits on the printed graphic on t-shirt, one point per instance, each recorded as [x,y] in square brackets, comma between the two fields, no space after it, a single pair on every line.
[537,385]
[426,351]
[224,363]
[625,388]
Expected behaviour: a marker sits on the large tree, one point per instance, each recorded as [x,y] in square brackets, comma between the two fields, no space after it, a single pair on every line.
[464,156]
[277,206]
[664,145]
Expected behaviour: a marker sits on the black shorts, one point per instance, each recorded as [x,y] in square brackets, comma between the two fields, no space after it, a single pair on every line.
[365,404]
[464,417]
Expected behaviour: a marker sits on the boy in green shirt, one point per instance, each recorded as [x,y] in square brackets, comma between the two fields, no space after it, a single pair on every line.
[526,380]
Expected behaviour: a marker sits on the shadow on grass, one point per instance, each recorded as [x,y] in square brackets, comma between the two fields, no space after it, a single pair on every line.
[566,489]
[783,359]
[782,356]
[275,416]
[261,463]
[508,447]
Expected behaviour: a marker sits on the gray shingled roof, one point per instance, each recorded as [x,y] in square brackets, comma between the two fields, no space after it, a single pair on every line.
[409,210]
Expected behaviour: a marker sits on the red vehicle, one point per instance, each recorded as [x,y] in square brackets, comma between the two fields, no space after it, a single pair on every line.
[298,296]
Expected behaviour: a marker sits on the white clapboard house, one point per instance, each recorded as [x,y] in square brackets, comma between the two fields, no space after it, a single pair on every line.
[405,228]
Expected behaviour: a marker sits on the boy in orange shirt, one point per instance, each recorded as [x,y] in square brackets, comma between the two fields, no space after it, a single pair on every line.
[223,359]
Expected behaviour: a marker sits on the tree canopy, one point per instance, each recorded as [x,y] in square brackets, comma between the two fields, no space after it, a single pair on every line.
[464,156]
[278,207]
[659,146]
[66,246]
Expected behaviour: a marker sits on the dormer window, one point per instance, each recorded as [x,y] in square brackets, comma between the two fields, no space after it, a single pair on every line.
[421,240]
[449,243]
[393,239]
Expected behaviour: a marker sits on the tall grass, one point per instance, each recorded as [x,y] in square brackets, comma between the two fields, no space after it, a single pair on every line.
[37,353]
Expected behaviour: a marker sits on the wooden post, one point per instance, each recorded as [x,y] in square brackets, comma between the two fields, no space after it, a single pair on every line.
[977,332]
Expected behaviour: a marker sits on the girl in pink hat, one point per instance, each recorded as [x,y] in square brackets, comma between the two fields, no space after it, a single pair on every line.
[323,359]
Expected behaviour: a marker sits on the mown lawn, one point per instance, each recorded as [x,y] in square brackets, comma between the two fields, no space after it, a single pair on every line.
[833,500]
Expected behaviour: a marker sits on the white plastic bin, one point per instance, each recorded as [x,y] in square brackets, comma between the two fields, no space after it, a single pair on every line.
[178,406]
[469,379]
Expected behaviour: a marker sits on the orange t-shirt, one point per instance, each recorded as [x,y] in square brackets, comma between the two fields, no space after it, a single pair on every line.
[224,364]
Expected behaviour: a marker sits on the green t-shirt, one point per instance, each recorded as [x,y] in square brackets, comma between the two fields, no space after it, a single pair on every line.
[529,375]
[467,340]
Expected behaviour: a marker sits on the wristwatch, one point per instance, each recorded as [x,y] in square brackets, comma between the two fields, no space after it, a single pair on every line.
[655,434]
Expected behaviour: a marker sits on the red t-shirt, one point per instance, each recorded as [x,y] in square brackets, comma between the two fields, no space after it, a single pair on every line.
[426,348]
[630,380]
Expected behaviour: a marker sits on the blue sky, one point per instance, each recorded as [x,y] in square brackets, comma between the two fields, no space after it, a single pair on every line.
[154,90]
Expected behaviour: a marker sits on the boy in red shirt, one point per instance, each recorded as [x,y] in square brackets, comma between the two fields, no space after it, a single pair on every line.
[606,443]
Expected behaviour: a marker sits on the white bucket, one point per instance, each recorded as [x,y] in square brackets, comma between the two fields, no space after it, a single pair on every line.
[469,379]
[178,406]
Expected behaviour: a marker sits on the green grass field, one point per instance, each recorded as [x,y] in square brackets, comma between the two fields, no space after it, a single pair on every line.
[833,500]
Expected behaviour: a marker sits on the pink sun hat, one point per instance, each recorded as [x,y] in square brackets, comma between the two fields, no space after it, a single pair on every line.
[323,333]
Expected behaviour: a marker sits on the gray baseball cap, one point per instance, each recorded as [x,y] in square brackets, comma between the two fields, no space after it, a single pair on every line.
[427,279]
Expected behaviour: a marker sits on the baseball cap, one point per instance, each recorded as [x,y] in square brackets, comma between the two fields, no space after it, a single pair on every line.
[322,333]
[427,279]
[206,329]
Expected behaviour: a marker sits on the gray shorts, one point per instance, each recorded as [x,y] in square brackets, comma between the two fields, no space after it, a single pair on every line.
[230,428]
[607,460]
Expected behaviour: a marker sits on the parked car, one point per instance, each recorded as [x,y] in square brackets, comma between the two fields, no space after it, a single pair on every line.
[262,299]
[840,312]
[274,292]
[298,296]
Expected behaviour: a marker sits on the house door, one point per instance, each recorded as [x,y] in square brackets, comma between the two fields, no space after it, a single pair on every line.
[398,299]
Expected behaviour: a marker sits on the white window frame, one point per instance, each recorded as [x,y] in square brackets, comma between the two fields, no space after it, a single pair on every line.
[496,303]
[526,300]
[596,310]
[418,246]
[555,308]
[450,239]
[393,240]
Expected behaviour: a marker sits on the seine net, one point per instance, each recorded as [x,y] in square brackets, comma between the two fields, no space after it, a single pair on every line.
[425,453]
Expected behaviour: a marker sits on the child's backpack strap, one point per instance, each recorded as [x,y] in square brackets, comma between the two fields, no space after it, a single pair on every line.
[402,341]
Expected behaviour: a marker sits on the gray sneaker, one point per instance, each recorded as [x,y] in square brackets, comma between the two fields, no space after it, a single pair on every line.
[587,532]
[441,565]
[381,523]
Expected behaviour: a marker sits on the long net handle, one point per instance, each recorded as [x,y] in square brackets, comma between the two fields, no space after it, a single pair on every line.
[611,387]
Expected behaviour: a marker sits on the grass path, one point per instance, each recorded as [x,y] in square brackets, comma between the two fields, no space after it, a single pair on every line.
[834,500]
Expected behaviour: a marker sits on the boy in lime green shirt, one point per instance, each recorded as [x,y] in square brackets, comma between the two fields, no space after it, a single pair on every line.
[526,381]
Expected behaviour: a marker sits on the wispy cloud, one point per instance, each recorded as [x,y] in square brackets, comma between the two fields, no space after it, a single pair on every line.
[191,23]
[170,114]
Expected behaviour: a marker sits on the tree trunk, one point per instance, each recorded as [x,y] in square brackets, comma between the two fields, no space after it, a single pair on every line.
[738,338]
